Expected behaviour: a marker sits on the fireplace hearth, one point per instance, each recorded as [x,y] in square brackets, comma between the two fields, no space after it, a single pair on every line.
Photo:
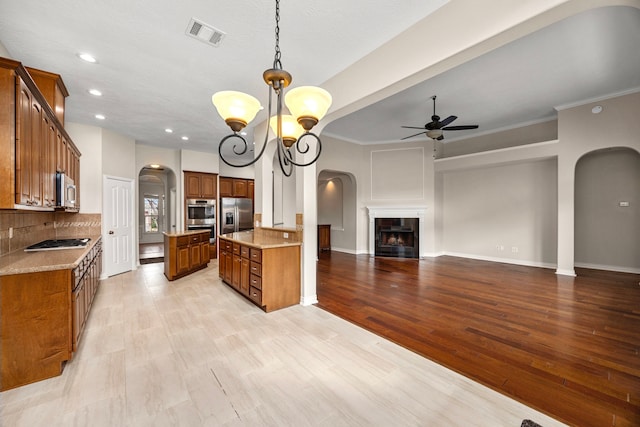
[397,237]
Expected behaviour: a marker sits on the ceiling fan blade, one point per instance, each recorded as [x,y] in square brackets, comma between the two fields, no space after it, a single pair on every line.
[462,127]
[446,121]
[411,136]
[412,127]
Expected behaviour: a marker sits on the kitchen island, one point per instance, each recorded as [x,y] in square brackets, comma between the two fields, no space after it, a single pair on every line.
[185,253]
[262,266]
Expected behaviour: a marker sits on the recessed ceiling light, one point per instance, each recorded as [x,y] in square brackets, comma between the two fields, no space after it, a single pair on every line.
[95,92]
[185,138]
[167,130]
[100,117]
[87,57]
[597,109]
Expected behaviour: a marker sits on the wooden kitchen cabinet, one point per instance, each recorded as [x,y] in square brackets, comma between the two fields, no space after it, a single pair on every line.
[235,187]
[200,185]
[53,90]
[27,124]
[185,253]
[270,277]
[43,315]
[324,237]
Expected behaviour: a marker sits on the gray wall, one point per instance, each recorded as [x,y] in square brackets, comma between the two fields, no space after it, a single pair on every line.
[503,212]
[606,234]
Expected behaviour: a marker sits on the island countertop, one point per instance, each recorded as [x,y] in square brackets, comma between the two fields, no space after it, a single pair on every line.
[249,238]
[183,233]
[20,262]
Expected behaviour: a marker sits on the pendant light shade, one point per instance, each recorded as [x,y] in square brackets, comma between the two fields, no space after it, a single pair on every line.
[308,102]
[236,108]
[291,130]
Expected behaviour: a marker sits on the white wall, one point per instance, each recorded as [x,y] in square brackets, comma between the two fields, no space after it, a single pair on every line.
[118,155]
[88,139]
[4,52]
[197,161]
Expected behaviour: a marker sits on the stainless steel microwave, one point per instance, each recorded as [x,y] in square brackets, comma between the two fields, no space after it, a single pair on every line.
[65,191]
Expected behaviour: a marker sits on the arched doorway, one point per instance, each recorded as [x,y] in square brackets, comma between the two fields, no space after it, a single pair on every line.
[156,211]
[337,200]
[607,211]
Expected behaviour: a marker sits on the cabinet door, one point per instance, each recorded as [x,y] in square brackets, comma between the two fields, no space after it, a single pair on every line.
[228,268]
[222,263]
[192,184]
[195,258]
[204,252]
[245,272]
[182,259]
[251,185]
[235,275]
[23,145]
[239,187]
[226,187]
[208,185]
[49,133]
[36,154]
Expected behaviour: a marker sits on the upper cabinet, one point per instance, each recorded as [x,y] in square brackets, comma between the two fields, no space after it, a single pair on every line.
[235,187]
[52,88]
[33,142]
[200,185]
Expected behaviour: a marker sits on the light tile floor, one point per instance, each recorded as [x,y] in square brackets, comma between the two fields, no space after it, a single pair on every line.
[195,353]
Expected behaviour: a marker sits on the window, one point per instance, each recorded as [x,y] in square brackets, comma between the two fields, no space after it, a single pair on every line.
[151,213]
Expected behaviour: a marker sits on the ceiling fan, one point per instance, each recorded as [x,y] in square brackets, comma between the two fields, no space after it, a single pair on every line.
[434,128]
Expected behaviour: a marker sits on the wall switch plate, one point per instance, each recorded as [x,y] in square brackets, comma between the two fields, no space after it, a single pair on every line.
[285,235]
[11,232]
[624,204]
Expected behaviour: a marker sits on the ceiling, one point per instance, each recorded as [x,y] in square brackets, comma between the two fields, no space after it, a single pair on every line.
[153,76]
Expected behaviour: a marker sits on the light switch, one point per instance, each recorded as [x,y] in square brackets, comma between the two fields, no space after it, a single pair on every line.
[624,204]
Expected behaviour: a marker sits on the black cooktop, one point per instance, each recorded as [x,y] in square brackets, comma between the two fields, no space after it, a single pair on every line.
[50,245]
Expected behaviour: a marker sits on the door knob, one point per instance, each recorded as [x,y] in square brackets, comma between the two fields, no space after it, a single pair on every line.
[110,231]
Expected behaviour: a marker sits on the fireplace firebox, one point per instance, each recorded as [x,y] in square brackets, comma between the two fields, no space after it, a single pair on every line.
[397,237]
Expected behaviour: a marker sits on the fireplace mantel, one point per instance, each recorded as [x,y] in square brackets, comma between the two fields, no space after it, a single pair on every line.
[396,212]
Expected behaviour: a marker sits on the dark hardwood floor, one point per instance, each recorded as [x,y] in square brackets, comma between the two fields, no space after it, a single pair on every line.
[568,347]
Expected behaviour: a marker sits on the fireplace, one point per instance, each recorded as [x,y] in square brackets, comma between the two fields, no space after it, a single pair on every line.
[396,231]
[397,237]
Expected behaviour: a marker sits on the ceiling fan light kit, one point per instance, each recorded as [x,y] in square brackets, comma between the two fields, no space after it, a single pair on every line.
[308,105]
[435,128]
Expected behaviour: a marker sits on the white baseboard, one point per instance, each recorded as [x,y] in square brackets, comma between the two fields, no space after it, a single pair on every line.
[346,251]
[527,263]
[608,267]
[563,272]
[310,300]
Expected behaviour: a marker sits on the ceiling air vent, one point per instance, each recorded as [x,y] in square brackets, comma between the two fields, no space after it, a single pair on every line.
[204,32]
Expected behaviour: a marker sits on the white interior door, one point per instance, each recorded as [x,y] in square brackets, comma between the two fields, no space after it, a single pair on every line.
[117,228]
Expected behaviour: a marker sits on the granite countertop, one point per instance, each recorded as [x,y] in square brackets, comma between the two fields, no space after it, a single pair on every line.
[21,262]
[248,238]
[183,233]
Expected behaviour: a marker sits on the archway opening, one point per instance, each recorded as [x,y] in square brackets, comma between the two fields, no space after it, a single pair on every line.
[157,211]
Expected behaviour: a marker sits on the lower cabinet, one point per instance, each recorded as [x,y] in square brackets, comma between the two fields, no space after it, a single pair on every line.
[42,316]
[185,253]
[270,277]
[85,279]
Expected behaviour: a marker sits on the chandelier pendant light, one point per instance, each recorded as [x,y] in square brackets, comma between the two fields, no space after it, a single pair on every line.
[307,104]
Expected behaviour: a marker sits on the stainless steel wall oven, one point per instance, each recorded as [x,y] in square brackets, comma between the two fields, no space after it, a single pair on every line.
[201,215]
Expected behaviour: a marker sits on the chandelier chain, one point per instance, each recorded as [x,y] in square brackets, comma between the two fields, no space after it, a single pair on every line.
[276,59]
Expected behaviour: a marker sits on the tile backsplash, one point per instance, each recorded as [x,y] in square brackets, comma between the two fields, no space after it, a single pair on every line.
[30,227]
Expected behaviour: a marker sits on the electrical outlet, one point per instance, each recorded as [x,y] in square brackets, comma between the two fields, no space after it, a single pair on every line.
[285,235]
[11,232]
[500,248]
[514,249]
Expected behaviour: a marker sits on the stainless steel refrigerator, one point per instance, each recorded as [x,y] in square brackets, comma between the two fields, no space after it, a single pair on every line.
[235,214]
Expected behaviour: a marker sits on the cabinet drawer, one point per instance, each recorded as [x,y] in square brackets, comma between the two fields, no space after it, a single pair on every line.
[256,295]
[194,239]
[256,255]
[183,241]
[244,251]
[236,248]
[226,245]
[255,281]
[256,268]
